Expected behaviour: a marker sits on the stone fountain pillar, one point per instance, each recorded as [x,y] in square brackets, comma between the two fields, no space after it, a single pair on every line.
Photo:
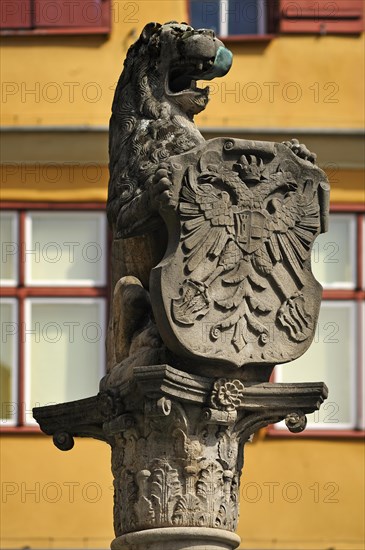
[212,288]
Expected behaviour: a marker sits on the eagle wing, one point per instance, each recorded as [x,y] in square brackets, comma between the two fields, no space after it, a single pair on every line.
[293,226]
[207,218]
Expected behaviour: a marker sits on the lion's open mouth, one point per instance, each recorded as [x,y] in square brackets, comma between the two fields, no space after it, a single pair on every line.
[184,75]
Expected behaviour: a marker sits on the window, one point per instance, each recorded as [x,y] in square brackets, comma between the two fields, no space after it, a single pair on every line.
[53,308]
[336,355]
[261,18]
[230,17]
[55,16]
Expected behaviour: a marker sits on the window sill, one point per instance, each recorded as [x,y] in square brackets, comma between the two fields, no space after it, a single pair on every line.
[316,434]
[17,430]
[56,31]
[248,38]
[271,432]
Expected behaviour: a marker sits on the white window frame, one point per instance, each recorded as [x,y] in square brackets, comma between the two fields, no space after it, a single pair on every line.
[27,344]
[224,16]
[13,302]
[13,214]
[101,281]
[345,285]
[363,253]
[361,389]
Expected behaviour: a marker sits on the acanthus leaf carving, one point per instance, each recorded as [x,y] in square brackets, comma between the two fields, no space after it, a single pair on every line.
[187,510]
[192,485]
[165,489]
[228,449]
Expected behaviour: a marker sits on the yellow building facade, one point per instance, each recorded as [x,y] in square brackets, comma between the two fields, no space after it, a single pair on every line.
[297,492]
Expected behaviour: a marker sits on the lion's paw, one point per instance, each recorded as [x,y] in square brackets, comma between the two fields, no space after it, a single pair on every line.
[301,150]
[161,188]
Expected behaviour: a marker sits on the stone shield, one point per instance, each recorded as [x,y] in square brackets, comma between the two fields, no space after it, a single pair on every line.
[235,285]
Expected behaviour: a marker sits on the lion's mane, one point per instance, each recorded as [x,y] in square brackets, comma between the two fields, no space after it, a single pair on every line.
[146,126]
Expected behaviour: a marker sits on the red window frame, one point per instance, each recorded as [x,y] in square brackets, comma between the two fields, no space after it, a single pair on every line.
[44,17]
[21,292]
[356,295]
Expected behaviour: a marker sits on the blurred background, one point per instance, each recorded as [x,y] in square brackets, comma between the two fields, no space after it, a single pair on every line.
[298,72]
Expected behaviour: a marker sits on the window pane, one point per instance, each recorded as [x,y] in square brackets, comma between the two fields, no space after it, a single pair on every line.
[205,15]
[229,17]
[64,349]
[9,248]
[244,17]
[362,374]
[333,256]
[8,359]
[330,359]
[363,253]
[65,248]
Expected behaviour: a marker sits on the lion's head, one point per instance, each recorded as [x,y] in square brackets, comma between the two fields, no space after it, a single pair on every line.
[165,64]
[153,109]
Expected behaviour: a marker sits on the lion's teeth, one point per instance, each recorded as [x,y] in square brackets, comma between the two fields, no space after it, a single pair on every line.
[200,66]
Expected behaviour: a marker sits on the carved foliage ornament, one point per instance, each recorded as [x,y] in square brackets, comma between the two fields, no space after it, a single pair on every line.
[236,284]
[194,481]
[227,394]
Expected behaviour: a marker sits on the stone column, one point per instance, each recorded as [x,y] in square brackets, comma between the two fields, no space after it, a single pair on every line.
[177,444]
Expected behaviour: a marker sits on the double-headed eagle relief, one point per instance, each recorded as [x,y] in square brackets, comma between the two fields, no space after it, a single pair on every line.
[236,285]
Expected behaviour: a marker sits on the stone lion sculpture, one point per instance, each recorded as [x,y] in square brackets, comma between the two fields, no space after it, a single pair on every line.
[152,119]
